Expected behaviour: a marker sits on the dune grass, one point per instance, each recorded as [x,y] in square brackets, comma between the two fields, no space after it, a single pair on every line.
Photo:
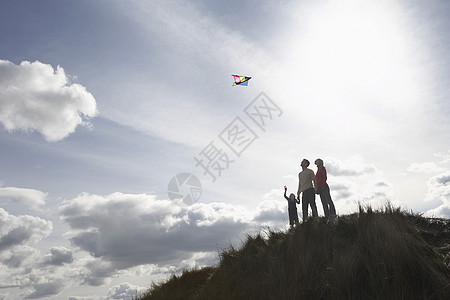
[386,254]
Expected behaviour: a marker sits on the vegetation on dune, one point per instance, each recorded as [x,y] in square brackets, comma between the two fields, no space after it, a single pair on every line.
[386,254]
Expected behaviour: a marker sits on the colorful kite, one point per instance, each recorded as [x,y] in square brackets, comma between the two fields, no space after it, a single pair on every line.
[240,80]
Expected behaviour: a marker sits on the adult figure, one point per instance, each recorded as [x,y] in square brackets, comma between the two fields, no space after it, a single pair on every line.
[323,190]
[306,184]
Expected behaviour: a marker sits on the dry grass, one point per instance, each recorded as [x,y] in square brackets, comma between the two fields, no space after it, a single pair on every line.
[386,254]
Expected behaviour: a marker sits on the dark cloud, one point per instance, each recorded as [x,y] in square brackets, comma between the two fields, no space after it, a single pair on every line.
[18,257]
[443,179]
[340,191]
[15,237]
[272,212]
[123,231]
[46,289]
[16,231]
[267,216]
[97,273]
[335,168]
[59,256]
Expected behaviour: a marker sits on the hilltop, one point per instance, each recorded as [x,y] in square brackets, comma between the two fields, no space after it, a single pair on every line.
[386,254]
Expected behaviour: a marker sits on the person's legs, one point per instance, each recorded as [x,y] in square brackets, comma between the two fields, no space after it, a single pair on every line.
[313,204]
[295,216]
[330,203]
[311,198]
[304,207]
[324,200]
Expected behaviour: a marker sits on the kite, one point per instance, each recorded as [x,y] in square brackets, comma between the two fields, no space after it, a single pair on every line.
[240,80]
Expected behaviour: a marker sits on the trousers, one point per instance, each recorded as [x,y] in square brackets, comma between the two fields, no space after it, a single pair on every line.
[309,198]
[327,202]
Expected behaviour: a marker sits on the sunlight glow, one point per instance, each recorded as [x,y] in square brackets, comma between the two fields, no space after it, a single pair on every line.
[354,53]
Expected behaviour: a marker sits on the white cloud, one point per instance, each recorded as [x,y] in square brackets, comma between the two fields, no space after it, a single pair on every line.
[37,275]
[439,189]
[15,231]
[426,167]
[23,266]
[444,157]
[124,291]
[34,96]
[438,185]
[29,197]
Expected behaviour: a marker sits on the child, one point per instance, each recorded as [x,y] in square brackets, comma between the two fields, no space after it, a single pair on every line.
[292,207]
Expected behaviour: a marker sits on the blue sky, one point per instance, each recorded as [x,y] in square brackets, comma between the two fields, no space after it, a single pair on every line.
[102,103]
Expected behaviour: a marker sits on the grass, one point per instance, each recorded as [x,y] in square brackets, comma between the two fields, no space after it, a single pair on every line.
[386,254]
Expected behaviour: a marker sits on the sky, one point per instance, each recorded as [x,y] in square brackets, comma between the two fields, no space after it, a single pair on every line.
[126,155]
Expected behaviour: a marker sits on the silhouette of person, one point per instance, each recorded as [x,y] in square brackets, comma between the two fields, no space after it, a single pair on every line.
[323,190]
[306,184]
[292,207]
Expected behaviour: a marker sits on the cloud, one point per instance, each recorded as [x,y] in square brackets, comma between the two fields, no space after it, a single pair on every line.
[19,230]
[273,212]
[59,256]
[124,291]
[353,181]
[19,256]
[444,157]
[23,266]
[46,289]
[341,190]
[124,230]
[350,167]
[97,272]
[426,167]
[35,97]
[439,189]
[29,197]
[14,237]
[38,275]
